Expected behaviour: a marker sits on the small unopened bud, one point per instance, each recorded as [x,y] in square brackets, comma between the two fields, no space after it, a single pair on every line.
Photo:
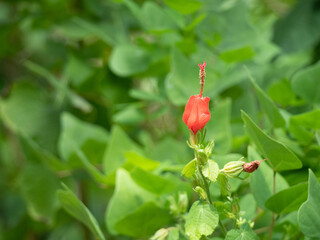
[240,221]
[252,166]
[183,202]
[233,168]
[230,215]
[161,234]
[251,223]
[208,149]
[202,193]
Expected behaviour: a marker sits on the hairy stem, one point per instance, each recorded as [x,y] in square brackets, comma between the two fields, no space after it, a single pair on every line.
[201,91]
[223,229]
[207,189]
[205,185]
[273,215]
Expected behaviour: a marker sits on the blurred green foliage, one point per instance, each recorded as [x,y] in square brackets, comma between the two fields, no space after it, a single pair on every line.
[92,96]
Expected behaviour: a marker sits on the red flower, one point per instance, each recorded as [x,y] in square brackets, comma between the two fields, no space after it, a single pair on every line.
[196,113]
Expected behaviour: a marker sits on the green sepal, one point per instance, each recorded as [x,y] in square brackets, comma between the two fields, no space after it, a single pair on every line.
[190,168]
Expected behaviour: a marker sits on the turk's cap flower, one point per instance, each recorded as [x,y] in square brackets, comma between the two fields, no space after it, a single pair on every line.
[196,113]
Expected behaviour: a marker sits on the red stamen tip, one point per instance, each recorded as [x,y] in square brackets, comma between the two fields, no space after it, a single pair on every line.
[202,66]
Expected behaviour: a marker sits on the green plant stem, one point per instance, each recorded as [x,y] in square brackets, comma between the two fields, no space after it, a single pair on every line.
[273,215]
[223,229]
[83,197]
[205,185]
[261,230]
[207,189]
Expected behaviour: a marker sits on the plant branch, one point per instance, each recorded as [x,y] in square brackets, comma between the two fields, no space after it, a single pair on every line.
[273,215]
[261,230]
[205,185]
[223,229]
[207,189]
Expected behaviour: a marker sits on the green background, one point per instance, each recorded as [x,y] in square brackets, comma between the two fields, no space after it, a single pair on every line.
[92,141]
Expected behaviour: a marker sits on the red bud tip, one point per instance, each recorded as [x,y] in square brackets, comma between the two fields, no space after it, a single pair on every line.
[202,75]
[202,66]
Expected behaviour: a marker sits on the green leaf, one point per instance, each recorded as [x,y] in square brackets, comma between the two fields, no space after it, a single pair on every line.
[219,127]
[299,132]
[308,119]
[119,144]
[211,170]
[34,153]
[76,134]
[94,172]
[248,206]
[129,115]
[261,181]
[146,96]
[127,60]
[38,186]
[309,212]
[173,234]
[302,126]
[245,233]
[184,6]
[190,168]
[144,221]
[155,18]
[127,198]
[78,210]
[135,9]
[94,29]
[77,70]
[278,155]
[307,85]
[180,82]
[281,92]
[76,100]
[28,111]
[294,31]
[288,200]
[170,149]
[224,185]
[151,182]
[237,55]
[268,105]
[136,160]
[201,220]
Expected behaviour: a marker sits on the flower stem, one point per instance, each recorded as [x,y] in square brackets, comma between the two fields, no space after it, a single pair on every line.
[207,189]
[205,185]
[273,215]
[201,91]
[223,229]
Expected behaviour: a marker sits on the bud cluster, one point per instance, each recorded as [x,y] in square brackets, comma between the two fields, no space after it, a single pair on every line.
[234,168]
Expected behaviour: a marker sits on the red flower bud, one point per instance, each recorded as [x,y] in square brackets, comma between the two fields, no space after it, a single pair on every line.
[196,113]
